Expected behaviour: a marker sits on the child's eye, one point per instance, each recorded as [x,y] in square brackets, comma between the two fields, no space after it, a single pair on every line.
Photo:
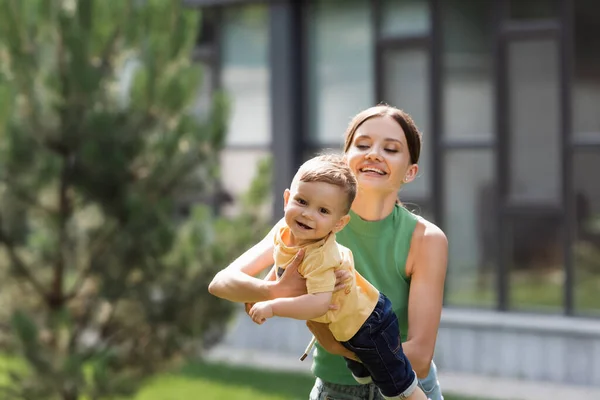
[362,146]
[301,201]
[324,211]
[391,150]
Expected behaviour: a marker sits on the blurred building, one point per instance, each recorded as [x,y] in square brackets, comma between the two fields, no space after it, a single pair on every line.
[507,93]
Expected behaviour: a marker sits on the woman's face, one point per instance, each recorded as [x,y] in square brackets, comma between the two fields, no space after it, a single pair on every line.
[379,156]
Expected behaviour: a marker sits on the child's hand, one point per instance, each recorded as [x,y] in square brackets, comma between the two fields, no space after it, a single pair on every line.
[261,311]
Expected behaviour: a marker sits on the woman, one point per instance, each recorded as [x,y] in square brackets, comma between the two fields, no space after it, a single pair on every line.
[402,255]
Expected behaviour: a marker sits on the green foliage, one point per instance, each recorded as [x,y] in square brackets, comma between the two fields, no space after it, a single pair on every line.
[99,284]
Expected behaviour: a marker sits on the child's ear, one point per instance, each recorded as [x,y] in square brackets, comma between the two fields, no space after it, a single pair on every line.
[342,223]
[286,198]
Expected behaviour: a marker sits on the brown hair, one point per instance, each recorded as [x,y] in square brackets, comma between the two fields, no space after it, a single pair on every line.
[413,136]
[332,169]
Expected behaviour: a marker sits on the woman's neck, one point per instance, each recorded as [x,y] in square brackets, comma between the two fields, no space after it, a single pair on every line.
[374,207]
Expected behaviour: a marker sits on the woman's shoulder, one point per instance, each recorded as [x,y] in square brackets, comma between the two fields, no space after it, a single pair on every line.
[422,226]
[427,238]
[426,229]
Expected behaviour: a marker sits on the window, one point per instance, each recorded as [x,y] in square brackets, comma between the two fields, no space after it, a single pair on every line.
[340,72]
[405,17]
[467,65]
[535,256]
[201,106]
[586,249]
[534,113]
[520,10]
[470,209]
[586,90]
[245,74]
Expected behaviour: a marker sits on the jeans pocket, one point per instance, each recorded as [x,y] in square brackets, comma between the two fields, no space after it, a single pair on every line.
[391,335]
[336,396]
[322,391]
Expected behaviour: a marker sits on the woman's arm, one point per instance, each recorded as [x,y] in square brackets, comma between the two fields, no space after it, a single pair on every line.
[327,340]
[426,266]
[237,283]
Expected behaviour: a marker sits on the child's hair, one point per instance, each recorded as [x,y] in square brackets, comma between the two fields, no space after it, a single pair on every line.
[332,169]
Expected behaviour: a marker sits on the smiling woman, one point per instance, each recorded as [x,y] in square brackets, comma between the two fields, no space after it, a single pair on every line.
[395,253]
[383,148]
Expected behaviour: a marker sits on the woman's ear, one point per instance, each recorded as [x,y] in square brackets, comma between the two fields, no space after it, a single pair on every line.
[342,223]
[411,173]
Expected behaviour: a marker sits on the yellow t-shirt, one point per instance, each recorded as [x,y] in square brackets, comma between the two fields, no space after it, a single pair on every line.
[321,258]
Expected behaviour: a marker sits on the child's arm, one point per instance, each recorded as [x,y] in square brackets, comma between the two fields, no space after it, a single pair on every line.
[305,307]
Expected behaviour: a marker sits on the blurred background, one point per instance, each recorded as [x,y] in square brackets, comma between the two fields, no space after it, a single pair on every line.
[506,93]
[145,144]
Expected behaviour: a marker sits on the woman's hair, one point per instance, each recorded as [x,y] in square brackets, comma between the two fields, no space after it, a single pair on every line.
[413,136]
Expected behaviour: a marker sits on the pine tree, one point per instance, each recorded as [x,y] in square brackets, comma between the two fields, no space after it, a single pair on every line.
[100,282]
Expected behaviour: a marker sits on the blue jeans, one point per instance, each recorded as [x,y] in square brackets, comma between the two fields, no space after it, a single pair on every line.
[377,344]
[331,391]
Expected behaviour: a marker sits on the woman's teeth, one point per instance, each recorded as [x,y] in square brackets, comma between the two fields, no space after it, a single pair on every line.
[370,169]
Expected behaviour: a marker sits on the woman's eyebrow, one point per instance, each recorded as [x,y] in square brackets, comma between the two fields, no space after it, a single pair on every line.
[393,140]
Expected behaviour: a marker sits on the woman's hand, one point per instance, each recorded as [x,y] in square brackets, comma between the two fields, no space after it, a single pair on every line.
[327,341]
[342,279]
[291,283]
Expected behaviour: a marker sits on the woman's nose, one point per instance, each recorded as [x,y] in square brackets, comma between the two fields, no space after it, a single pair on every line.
[373,154]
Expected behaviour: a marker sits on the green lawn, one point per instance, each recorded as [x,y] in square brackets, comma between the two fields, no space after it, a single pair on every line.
[222,382]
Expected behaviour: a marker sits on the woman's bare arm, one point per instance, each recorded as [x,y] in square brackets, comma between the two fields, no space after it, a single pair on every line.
[426,265]
[237,282]
[327,340]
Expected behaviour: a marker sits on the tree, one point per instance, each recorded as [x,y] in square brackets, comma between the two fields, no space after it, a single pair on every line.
[100,284]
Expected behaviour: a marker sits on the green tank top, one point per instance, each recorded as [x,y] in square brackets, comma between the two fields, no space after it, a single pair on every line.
[380,249]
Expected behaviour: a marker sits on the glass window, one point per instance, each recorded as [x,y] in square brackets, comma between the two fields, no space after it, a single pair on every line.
[245,74]
[407,87]
[201,106]
[340,70]
[586,90]
[405,17]
[467,65]
[239,168]
[533,9]
[536,262]
[535,158]
[469,210]
[587,242]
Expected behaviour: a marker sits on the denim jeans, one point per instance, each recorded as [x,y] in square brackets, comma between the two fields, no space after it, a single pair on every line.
[377,344]
[331,391]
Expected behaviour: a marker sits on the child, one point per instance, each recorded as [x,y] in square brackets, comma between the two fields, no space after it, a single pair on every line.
[316,207]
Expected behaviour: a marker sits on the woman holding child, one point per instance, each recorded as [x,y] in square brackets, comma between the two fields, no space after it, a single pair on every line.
[402,255]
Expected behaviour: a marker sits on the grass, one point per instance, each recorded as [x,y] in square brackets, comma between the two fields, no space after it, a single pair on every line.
[212,381]
[225,382]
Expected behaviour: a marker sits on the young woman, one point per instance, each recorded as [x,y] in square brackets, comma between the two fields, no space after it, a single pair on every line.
[404,256]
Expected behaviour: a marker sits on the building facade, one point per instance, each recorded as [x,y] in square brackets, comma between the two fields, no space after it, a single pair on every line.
[507,95]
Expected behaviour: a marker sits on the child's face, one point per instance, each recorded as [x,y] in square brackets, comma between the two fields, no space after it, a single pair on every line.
[314,209]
